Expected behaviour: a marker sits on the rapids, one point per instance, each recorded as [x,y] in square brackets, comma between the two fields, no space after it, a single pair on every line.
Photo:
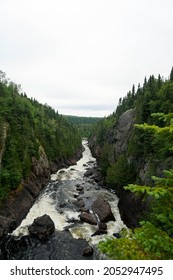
[57,201]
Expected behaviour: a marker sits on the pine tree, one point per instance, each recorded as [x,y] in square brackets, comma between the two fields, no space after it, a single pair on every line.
[171,75]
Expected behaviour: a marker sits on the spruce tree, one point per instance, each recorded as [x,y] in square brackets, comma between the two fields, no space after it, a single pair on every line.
[171,75]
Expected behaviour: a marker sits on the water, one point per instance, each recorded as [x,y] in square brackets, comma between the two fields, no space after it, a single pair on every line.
[58,198]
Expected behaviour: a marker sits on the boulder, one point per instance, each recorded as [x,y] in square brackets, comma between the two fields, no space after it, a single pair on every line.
[102,226]
[117,235]
[84,209]
[99,232]
[102,208]
[88,173]
[88,251]
[132,208]
[79,188]
[79,203]
[42,227]
[88,218]
[61,171]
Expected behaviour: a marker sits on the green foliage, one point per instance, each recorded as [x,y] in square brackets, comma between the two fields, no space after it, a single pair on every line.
[157,140]
[105,158]
[153,103]
[151,142]
[103,129]
[146,243]
[154,239]
[84,125]
[26,125]
[120,172]
[171,75]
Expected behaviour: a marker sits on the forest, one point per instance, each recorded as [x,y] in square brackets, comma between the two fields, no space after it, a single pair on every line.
[135,158]
[83,124]
[142,166]
[26,127]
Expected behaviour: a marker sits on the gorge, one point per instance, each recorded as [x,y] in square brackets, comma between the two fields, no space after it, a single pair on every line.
[58,202]
[70,193]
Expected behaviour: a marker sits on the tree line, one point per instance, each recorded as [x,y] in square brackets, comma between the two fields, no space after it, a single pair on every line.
[25,126]
[83,124]
[150,146]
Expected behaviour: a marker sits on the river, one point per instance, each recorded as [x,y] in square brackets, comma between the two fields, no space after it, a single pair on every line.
[58,201]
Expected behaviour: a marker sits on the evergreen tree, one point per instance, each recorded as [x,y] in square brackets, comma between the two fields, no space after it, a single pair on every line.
[171,75]
[27,127]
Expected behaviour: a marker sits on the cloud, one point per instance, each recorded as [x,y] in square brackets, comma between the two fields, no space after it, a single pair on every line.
[84,53]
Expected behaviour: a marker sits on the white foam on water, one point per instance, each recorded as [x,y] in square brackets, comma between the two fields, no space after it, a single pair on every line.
[64,217]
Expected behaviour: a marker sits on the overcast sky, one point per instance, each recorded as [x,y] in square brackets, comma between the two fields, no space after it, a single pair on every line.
[81,56]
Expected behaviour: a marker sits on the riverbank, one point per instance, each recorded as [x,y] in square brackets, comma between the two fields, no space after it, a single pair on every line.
[72,193]
[19,202]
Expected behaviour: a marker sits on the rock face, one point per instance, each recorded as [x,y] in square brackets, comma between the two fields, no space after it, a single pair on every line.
[131,207]
[65,162]
[123,131]
[102,208]
[6,225]
[20,201]
[42,227]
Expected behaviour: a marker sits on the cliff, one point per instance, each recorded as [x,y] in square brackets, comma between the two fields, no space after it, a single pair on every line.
[34,142]
[117,140]
[131,154]
[17,205]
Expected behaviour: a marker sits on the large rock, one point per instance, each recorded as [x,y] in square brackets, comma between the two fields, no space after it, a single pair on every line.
[60,246]
[102,208]
[99,232]
[88,251]
[79,203]
[88,218]
[6,224]
[42,227]
[132,209]
[123,131]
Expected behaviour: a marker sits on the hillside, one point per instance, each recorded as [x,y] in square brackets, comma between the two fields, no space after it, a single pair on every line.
[83,124]
[34,141]
[134,148]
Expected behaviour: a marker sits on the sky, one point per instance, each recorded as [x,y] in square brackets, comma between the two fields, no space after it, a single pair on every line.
[81,56]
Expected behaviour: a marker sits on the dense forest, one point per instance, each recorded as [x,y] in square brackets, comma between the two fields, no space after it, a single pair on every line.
[141,164]
[133,147]
[83,124]
[26,128]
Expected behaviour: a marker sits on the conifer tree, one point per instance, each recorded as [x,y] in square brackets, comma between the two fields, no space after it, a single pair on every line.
[171,75]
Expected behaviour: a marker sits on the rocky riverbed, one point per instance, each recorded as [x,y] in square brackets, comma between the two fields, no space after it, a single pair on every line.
[82,213]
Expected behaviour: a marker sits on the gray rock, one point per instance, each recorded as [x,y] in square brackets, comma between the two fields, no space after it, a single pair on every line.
[42,227]
[99,232]
[102,226]
[6,225]
[79,203]
[79,188]
[124,131]
[88,251]
[88,218]
[102,208]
